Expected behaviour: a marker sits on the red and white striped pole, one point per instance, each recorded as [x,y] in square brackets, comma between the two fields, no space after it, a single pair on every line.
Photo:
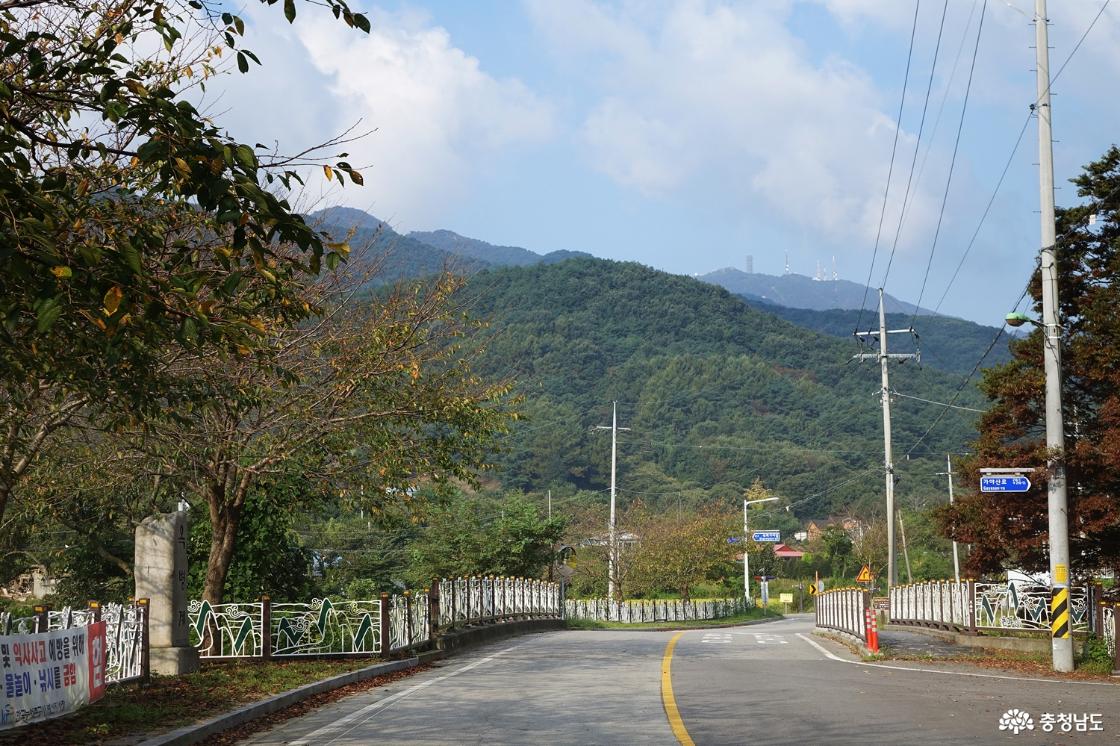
[872,627]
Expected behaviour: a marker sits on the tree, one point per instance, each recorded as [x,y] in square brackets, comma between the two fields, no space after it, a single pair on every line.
[676,553]
[1010,531]
[836,546]
[131,225]
[474,535]
[375,394]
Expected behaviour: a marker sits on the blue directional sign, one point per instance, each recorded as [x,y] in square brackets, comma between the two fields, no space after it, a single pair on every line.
[1004,484]
[767,536]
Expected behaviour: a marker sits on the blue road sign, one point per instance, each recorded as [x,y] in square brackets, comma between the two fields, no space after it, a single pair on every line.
[734,539]
[1004,484]
[766,536]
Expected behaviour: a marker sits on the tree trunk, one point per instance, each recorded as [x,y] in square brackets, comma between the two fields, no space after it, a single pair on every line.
[224,519]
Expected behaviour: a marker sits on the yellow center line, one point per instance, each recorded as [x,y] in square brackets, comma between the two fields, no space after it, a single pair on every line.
[667,700]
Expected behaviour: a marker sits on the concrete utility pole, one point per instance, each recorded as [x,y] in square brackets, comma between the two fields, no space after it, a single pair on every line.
[1062,642]
[888,460]
[612,530]
[949,473]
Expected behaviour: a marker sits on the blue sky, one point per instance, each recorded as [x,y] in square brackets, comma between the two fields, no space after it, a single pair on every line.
[687,135]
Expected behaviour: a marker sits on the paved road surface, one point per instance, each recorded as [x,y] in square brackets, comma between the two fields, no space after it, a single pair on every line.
[762,684]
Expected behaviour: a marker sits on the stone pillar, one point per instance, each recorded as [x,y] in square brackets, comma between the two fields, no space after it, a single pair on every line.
[161,575]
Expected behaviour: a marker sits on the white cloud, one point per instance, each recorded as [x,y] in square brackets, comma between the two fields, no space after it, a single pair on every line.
[712,94]
[438,115]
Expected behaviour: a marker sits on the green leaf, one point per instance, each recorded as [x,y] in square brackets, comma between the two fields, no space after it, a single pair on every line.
[290,10]
[361,22]
[48,314]
[242,62]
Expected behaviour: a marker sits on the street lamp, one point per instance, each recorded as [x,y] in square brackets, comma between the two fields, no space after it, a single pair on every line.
[746,538]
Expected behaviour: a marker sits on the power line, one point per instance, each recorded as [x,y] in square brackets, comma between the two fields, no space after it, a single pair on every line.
[890,170]
[1015,149]
[938,403]
[917,143]
[952,161]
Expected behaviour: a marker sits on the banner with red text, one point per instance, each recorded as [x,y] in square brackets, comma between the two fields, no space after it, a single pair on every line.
[50,674]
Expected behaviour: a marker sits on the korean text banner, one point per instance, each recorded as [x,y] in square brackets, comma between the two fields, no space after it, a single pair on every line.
[50,674]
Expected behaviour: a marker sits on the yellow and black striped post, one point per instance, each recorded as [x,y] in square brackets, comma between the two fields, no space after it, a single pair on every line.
[1059,612]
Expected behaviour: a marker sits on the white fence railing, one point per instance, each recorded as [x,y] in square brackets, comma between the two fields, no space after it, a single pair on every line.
[977,605]
[655,610]
[844,610]
[338,627]
[488,599]
[125,633]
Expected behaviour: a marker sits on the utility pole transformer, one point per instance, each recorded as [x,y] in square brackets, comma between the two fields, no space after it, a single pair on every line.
[888,460]
[612,527]
[1057,504]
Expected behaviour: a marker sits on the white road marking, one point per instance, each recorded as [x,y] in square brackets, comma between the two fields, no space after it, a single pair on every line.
[718,638]
[763,638]
[830,656]
[316,736]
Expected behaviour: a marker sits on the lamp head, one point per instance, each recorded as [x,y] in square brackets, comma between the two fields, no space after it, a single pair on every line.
[1016,319]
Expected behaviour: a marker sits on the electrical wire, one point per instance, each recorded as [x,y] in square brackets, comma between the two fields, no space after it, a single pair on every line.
[890,169]
[917,143]
[952,162]
[938,403]
[1018,141]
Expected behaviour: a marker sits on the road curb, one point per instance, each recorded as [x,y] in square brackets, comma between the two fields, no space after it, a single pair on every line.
[198,731]
[446,645]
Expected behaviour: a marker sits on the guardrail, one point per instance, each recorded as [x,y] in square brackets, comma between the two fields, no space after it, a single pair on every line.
[340,627]
[655,610]
[844,610]
[972,606]
[491,599]
[126,633]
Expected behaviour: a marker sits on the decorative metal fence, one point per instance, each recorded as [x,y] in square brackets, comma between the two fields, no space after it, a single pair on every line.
[656,610]
[1109,630]
[330,627]
[490,599]
[973,606]
[844,610]
[126,633]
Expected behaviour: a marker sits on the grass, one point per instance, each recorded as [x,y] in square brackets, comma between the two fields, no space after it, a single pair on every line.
[748,616]
[173,701]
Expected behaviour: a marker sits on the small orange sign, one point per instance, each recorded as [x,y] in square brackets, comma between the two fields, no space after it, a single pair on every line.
[864,575]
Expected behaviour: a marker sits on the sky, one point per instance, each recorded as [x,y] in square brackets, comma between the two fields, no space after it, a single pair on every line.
[688,135]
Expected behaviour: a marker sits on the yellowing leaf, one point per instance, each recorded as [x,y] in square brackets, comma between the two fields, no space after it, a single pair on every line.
[415,371]
[61,272]
[112,300]
[328,172]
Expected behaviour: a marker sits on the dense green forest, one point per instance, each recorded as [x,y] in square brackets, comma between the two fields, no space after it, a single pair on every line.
[716,393]
[946,343]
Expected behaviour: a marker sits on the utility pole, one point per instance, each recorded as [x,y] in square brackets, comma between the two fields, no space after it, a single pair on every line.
[888,461]
[949,473]
[612,531]
[1062,642]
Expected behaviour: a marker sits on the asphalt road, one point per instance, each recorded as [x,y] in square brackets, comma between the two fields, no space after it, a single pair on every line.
[764,684]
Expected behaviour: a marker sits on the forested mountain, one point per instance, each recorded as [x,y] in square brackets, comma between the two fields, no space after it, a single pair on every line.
[499,256]
[946,343]
[799,291]
[716,393]
[404,257]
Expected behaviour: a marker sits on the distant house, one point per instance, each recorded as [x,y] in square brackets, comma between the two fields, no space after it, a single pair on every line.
[853,527]
[784,551]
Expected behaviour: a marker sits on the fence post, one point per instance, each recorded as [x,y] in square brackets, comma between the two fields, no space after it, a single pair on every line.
[146,647]
[386,633]
[972,607]
[1096,593]
[433,609]
[493,599]
[1116,640]
[266,627]
[42,618]
[408,619]
[95,607]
